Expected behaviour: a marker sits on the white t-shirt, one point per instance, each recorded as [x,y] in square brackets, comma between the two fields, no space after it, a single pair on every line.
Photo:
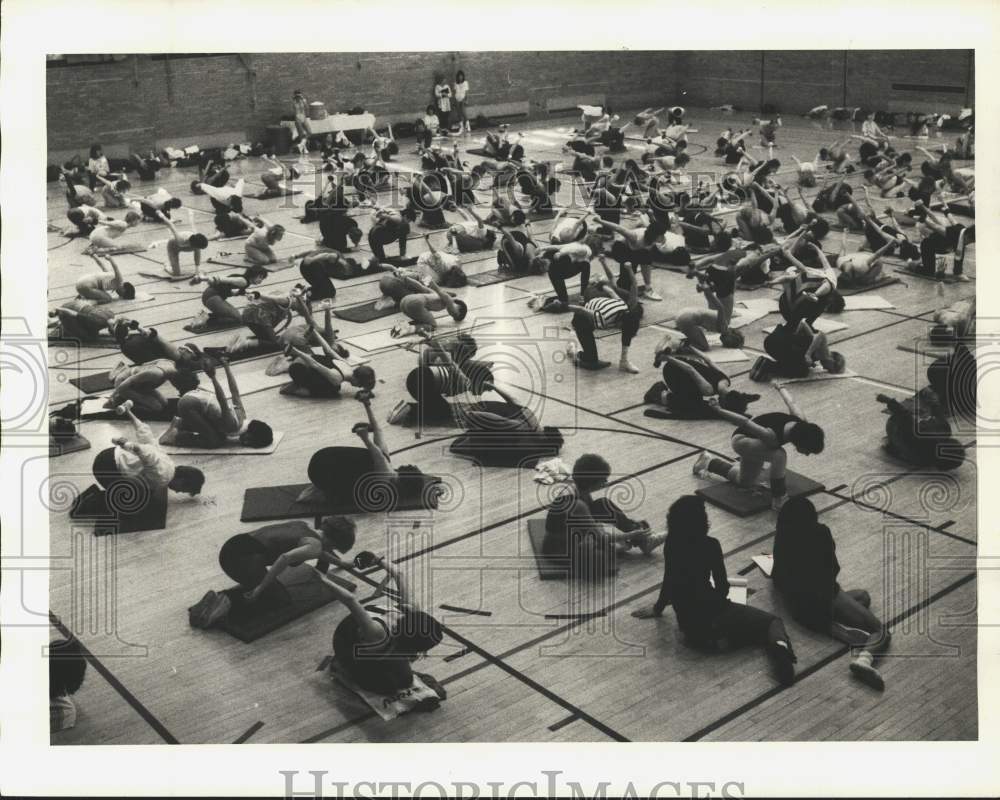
[669,242]
[148,461]
[461,90]
[565,231]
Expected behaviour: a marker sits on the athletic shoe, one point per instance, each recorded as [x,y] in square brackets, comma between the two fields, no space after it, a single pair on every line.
[778,502]
[124,408]
[700,468]
[783,658]
[627,366]
[962,278]
[867,674]
[848,635]
[399,413]
[651,294]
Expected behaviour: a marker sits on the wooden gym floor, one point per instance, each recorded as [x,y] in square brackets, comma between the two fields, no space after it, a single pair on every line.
[524,667]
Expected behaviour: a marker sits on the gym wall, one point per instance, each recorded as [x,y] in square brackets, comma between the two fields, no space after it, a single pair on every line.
[151,101]
[145,101]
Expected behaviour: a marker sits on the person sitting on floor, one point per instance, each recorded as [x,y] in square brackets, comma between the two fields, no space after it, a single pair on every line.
[103,238]
[609,305]
[696,584]
[212,420]
[471,236]
[588,530]
[805,574]
[918,433]
[760,441]
[420,307]
[67,669]
[277,179]
[257,559]
[220,289]
[258,247]
[98,286]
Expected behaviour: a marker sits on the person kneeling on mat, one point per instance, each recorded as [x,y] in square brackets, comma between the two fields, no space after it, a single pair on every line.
[705,614]
[325,375]
[141,385]
[98,287]
[140,459]
[611,306]
[376,647]
[922,441]
[420,308]
[215,298]
[193,243]
[212,421]
[805,573]
[318,266]
[445,370]
[797,349]
[689,380]
[589,530]
[760,440]
[358,476]
[256,560]
[81,320]
[472,235]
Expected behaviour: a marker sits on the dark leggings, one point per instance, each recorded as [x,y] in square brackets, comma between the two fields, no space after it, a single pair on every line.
[584,326]
[563,268]
[741,626]
[335,227]
[317,275]
[219,307]
[423,387]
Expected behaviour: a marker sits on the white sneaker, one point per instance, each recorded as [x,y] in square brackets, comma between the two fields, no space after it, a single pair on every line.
[700,467]
[383,303]
[651,294]
[627,366]
[778,502]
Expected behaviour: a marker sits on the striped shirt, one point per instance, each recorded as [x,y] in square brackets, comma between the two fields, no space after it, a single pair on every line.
[607,311]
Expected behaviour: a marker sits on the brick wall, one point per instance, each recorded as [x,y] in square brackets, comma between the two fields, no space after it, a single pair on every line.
[142,102]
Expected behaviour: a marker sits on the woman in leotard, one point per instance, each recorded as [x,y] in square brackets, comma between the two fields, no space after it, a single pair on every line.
[221,289]
[761,441]
[689,379]
[98,287]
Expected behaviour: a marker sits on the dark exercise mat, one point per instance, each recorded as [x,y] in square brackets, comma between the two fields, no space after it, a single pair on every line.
[364,312]
[103,343]
[491,277]
[257,352]
[63,447]
[745,502]
[885,280]
[166,415]
[498,449]
[97,383]
[126,511]
[306,592]
[263,503]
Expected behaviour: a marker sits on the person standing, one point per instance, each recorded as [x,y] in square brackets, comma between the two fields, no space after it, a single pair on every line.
[300,106]
[442,96]
[461,92]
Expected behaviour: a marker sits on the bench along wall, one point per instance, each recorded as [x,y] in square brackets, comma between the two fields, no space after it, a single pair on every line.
[144,101]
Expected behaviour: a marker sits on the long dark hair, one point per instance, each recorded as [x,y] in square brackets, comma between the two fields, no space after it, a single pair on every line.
[460,79]
[687,527]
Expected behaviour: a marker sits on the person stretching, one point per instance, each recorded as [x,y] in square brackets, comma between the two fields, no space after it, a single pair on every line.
[472,235]
[257,559]
[421,306]
[220,289]
[193,243]
[690,378]
[705,614]
[761,440]
[805,573]
[797,348]
[98,286]
[258,246]
[613,306]
[140,385]
[139,459]
[208,421]
[325,375]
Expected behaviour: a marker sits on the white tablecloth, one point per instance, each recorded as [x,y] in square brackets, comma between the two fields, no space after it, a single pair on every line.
[340,122]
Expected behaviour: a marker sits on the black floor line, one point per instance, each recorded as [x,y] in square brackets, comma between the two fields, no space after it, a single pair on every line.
[116,684]
[249,732]
[823,662]
[903,518]
[563,723]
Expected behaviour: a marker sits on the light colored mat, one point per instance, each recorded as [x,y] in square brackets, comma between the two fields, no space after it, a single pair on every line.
[231,450]
[822,325]
[388,707]
[380,340]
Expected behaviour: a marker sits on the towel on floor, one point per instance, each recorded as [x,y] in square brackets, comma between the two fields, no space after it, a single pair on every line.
[555,470]
[419,697]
